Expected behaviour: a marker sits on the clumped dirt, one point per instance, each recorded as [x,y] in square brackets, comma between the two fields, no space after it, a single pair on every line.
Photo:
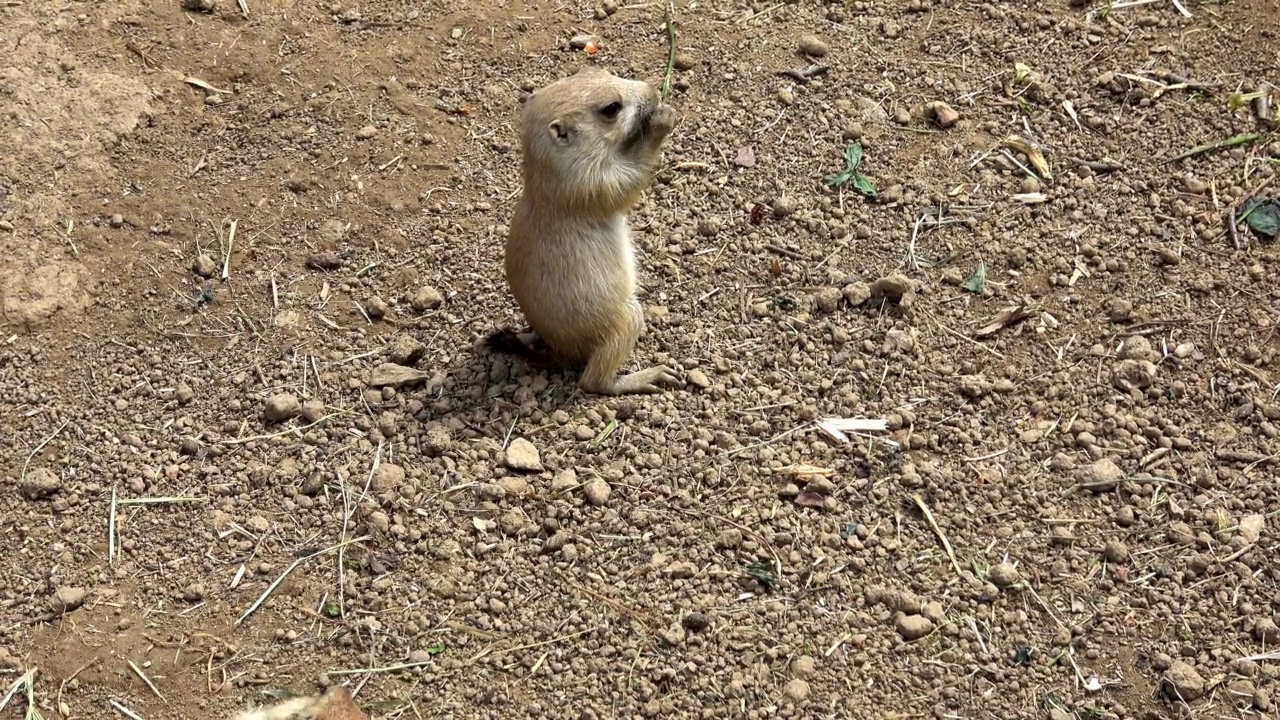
[249,449]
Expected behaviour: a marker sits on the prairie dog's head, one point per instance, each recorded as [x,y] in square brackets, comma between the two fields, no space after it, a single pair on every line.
[595,137]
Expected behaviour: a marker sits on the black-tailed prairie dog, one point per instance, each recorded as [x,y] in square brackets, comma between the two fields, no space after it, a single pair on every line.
[335,704]
[590,143]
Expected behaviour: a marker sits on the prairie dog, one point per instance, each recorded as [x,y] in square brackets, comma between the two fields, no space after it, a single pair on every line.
[590,143]
[335,704]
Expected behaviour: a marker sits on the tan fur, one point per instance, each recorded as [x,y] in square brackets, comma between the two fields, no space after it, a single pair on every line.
[569,259]
[335,704]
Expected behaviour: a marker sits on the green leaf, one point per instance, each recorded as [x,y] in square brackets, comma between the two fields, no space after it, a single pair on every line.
[864,186]
[1262,215]
[977,279]
[763,573]
[851,174]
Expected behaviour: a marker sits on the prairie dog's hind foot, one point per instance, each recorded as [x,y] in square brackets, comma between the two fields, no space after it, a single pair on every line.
[648,381]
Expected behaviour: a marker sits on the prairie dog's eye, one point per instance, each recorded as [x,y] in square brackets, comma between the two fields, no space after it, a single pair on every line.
[611,110]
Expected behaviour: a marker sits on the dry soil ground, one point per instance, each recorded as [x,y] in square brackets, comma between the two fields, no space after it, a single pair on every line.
[1071,515]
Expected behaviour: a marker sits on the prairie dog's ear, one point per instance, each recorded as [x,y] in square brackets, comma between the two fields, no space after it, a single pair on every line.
[560,131]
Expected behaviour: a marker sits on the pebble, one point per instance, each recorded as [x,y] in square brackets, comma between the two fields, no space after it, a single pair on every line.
[1101,475]
[1004,574]
[681,570]
[393,375]
[281,407]
[427,298]
[796,690]
[193,593]
[1182,682]
[579,42]
[183,394]
[945,116]
[366,132]
[388,476]
[406,350]
[901,115]
[804,666]
[515,486]
[327,260]
[696,622]
[1266,631]
[914,627]
[1115,551]
[813,46]
[40,483]
[312,410]
[699,379]
[597,492]
[523,456]
[204,266]
[376,307]
[65,599]
[1251,527]
[783,207]
[683,62]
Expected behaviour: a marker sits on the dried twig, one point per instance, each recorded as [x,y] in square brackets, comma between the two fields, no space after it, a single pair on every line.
[293,566]
[946,544]
[231,240]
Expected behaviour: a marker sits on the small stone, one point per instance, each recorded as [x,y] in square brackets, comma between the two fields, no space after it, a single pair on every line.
[183,394]
[744,157]
[515,486]
[40,483]
[1119,310]
[523,456]
[1195,185]
[204,266]
[66,599]
[813,46]
[1266,631]
[1138,347]
[856,293]
[934,611]
[786,96]
[941,113]
[1115,551]
[393,375]
[406,350]
[696,622]
[1251,527]
[580,42]
[683,62]
[427,298]
[827,300]
[1182,682]
[1184,350]
[892,195]
[901,115]
[783,207]
[388,423]
[597,492]
[327,260]
[1100,476]
[367,132]
[312,410]
[1125,516]
[609,6]
[1061,535]
[1004,575]
[803,666]
[193,593]
[281,407]
[699,379]
[674,635]
[376,307]
[796,690]
[914,627]
[1133,375]
[680,570]
[388,476]
[1060,714]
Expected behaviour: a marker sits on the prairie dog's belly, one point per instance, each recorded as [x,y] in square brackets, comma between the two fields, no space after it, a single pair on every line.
[573,283]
